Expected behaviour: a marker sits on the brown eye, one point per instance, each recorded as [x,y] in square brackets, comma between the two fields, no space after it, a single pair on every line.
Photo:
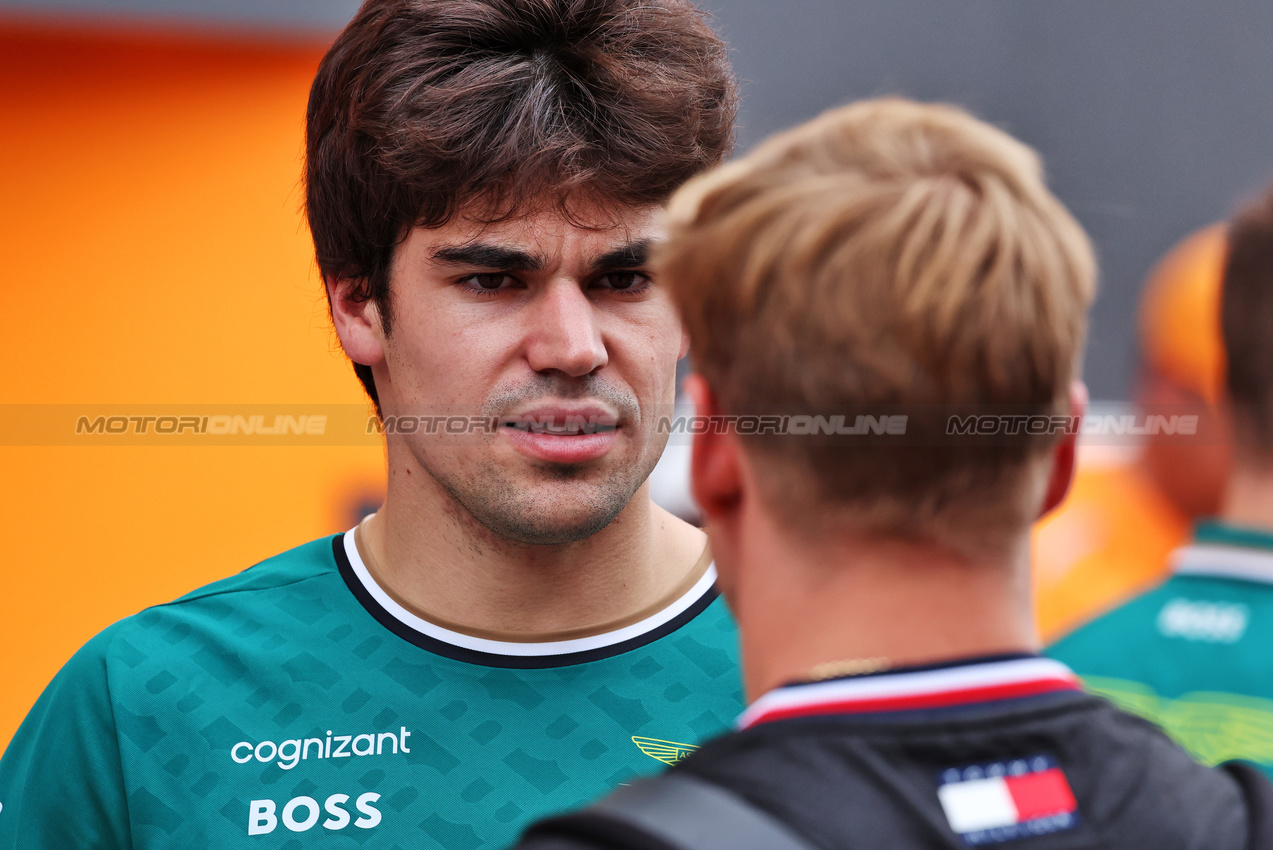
[624,281]
[488,282]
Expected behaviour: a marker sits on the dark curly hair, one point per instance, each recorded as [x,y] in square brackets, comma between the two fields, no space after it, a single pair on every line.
[1246,316]
[425,106]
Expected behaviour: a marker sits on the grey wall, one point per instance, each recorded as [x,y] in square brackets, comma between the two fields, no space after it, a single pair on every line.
[305,18]
[1154,117]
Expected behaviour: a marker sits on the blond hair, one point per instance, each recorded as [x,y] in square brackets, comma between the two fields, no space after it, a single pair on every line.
[887,253]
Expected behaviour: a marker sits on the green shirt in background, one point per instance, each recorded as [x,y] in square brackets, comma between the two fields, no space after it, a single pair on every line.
[296,705]
[1195,655]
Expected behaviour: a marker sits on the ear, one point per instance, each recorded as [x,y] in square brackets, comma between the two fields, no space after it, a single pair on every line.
[715,471]
[357,323]
[685,343]
[1064,456]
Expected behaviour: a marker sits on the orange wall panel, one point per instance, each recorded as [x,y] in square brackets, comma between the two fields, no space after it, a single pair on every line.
[154,252]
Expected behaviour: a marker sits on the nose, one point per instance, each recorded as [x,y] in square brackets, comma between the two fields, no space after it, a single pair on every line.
[564,334]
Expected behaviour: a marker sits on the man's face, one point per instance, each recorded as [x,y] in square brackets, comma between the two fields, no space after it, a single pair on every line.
[555,330]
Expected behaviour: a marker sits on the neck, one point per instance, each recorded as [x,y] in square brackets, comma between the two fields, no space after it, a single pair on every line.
[437,560]
[862,602]
[1248,498]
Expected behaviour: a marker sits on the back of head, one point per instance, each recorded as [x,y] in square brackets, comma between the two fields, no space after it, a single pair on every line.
[887,254]
[424,108]
[1247,325]
[1179,320]
[1182,372]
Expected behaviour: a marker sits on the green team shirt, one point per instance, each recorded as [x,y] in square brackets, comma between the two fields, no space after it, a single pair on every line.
[1195,655]
[297,705]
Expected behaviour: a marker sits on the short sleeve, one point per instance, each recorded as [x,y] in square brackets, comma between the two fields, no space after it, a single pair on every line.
[61,781]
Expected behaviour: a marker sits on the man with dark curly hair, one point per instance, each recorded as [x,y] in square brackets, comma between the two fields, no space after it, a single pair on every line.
[519,628]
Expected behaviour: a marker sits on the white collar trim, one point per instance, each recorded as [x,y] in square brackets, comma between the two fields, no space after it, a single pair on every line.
[1213,559]
[515,648]
[921,688]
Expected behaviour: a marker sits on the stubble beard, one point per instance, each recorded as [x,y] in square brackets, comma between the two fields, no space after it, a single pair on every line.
[557,506]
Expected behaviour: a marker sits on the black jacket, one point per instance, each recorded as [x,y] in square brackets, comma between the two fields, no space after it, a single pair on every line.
[872,780]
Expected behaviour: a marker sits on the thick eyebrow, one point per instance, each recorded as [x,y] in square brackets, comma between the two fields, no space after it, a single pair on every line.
[627,256]
[485,256]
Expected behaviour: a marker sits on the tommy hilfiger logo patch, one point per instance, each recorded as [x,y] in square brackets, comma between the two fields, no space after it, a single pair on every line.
[1001,801]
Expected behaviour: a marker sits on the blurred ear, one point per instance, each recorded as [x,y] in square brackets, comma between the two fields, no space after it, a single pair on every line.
[1064,456]
[357,323]
[1193,475]
[715,473]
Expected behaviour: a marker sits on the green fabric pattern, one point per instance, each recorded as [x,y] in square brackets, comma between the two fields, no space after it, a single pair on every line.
[271,710]
[1194,655]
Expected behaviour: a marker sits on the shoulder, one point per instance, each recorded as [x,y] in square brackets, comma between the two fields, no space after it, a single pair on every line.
[876,779]
[110,702]
[1180,625]
[202,639]
[309,560]
[1133,619]
[841,782]
[257,591]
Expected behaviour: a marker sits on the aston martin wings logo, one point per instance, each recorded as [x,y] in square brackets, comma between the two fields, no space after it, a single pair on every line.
[1215,727]
[668,752]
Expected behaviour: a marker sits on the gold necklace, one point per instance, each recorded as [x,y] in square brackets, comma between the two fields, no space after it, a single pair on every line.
[847,667]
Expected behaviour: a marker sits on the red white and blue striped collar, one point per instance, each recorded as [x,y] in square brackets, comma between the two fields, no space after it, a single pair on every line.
[963,683]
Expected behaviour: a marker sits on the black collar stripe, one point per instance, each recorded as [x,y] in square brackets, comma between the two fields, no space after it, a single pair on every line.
[518,655]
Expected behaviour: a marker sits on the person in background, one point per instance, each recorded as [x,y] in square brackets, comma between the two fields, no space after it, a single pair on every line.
[896,256]
[1196,653]
[1131,505]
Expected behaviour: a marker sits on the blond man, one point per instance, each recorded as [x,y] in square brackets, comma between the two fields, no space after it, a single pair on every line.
[903,260]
